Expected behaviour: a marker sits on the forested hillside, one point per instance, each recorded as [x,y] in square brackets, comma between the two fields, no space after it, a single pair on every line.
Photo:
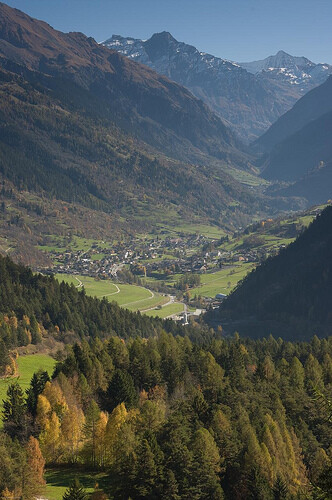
[167,419]
[290,294]
[33,306]
[165,411]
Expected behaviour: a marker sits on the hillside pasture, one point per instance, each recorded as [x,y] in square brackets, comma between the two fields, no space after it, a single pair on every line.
[133,297]
[222,281]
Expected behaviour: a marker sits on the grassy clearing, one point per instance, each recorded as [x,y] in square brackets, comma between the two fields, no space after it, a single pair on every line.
[27,366]
[142,305]
[166,311]
[222,281]
[246,178]
[60,244]
[212,232]
[58,480]
[132,297]
[93,287]
[98,256]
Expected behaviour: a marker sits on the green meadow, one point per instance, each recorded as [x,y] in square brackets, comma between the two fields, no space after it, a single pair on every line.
[133,297]
[166,311]
[27,366]
[222,281]
[58,480]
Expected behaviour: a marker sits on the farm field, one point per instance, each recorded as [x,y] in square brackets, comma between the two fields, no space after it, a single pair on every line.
[132,297]
[166,311]
[61,244]
[27,366]
[222,281]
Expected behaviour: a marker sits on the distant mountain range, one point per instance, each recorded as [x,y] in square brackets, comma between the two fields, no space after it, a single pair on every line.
[249,96]
[288,295]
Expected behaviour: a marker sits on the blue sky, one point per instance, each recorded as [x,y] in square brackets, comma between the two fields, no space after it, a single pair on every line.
[240,30]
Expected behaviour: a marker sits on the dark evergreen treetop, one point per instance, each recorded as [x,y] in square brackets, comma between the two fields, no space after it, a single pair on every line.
[75,491]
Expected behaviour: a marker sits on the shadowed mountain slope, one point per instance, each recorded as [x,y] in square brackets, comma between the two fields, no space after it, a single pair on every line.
[290,294]
[310,107]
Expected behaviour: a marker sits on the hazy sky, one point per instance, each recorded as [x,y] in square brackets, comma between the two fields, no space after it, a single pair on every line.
[240,30]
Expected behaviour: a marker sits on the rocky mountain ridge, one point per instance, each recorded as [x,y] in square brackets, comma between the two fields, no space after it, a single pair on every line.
[248,96]
[293,70]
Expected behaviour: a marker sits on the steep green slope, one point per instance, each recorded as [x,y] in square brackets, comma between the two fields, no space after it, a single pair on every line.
[290,294]
[48,144]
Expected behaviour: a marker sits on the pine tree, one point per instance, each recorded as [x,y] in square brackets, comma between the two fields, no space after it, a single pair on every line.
[36,337]
[324,481]
[121,390]
[313,373]
[296,374]
[15,413]
[37,386]
[75,491]
[5,360]
[206,467]
[171,488]
[90,432]
[146,471]
[280,491]
[257,486]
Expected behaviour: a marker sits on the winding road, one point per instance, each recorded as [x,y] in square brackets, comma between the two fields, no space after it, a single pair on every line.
[80,284]
[113,293]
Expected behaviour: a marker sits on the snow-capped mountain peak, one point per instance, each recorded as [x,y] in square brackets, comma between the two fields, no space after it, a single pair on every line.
[292,69]
[249,96]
